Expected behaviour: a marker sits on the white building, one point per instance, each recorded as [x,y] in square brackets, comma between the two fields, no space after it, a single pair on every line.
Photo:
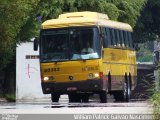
[28,82]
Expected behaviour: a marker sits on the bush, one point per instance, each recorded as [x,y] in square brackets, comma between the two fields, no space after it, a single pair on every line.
[10,97]
[156,104]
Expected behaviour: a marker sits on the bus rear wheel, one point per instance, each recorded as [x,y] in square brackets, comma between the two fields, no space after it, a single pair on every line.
[124,95]
[103,96]
[55,97]
[127,88]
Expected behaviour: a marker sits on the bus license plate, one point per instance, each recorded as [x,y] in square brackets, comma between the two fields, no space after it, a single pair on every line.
[71,89]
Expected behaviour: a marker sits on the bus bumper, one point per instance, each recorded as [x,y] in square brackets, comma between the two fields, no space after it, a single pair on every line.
[91,86]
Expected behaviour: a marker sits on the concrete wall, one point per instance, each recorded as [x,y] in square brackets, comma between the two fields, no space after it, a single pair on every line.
[28,82]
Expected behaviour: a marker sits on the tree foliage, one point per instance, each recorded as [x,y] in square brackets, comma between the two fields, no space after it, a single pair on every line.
[148,27]
[121,10]
[128,11]
[18,18]
[13,16]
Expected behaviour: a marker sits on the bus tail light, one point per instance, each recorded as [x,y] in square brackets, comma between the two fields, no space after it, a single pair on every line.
[101,74]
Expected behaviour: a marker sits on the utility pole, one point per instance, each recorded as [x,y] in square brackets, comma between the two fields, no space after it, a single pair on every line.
[156,59]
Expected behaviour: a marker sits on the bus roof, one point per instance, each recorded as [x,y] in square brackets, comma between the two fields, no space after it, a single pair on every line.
[85,18]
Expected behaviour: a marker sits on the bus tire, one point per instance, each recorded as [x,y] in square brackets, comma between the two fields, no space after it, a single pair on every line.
[85,98]
[74,97]
[130,82]
[118,96]
[124,95]
[71,98]
[126,89]
[109,82]
[129,87]
[55,97]
[103,96]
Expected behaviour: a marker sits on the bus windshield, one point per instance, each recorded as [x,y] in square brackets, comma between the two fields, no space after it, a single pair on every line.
[65,44]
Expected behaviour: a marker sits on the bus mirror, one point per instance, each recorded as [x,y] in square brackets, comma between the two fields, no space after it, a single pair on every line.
[35,44]
[136,47]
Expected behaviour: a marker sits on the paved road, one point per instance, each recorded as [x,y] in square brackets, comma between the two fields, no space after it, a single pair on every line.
[56,108]
[63,107]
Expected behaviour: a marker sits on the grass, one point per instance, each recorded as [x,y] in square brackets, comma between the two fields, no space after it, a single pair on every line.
[155,99]
[153,95]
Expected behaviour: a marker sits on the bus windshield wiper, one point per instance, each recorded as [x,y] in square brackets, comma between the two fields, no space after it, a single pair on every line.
[60,59]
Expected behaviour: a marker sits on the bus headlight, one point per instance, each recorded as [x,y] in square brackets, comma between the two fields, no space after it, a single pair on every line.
[93,75]
[96,75]
[46,78]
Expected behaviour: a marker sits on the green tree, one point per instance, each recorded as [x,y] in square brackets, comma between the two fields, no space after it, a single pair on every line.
[148,27]
[13,16]
[121,10]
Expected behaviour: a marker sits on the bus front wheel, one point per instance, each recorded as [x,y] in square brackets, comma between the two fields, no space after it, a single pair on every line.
[55,97]
[74,97]
[78,97]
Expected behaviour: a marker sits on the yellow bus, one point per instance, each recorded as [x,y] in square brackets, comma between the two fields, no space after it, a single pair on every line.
[86,53]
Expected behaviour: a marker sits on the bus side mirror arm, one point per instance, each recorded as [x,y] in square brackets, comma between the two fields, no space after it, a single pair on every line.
[35,44]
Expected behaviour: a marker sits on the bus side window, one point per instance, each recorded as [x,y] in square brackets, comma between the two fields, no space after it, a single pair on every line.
[104,43]
[107,37]
[121,38]
[126,39]
[130,40]
[118,38]
[113,37]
